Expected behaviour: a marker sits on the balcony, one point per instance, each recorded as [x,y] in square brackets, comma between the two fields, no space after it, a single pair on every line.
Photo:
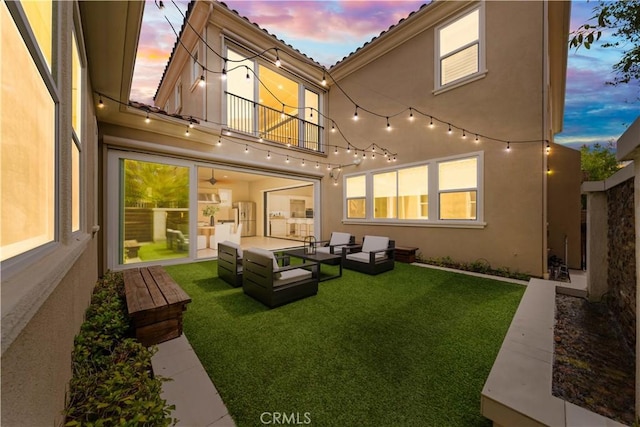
[249,117]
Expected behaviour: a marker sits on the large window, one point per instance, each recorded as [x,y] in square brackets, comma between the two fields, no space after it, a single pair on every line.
[459,48]
[154,211]
[268,103]
[402,194]
[458,189]
[27,136]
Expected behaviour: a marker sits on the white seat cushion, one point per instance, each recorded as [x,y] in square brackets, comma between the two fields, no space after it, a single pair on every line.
[364,256]
[290,276]
[326,250]
[338,238]
[235,246]
[375,243]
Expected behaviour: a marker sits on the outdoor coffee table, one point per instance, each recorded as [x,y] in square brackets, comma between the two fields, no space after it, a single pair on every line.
[320,258]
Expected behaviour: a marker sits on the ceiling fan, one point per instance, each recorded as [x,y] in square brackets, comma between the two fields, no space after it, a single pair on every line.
[213,179]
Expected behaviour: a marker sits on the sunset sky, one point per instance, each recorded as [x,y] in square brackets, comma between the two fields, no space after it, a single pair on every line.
[327,31]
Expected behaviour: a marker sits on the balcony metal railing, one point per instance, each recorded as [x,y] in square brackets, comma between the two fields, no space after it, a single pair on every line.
[246,116]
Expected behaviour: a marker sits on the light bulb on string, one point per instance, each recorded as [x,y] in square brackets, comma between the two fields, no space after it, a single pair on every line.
[335,150]
[329,167]
[464,134]
[348,148]
[100,102]
[247,76]
[324,79]
[477,139]
[282,112]
[431,122]
[394,158]
[388,124]
[508,146]
[219,142]
[302,163]
[310,112]
[411,114]
[317,165]
[268,155]
[202,82]
[187,131]
[289,143]
[147,119]
[355,115]
[333,126]
[355,154]
[278,63]
[287,159]
[449,131]
[548,149]
[191,124]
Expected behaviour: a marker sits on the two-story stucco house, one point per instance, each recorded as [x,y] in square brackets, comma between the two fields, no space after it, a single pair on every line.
[240,116]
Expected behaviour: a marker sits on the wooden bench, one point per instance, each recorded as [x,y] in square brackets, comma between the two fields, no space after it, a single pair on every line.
[405,254]
[155,304]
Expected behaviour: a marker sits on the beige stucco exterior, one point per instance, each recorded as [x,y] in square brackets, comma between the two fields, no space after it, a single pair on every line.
[519,98]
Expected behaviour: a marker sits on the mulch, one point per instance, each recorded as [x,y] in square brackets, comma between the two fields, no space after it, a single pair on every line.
[593,366]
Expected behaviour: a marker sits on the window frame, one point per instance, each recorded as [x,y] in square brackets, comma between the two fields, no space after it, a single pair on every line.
[77,139]
[433,183]
[481,42]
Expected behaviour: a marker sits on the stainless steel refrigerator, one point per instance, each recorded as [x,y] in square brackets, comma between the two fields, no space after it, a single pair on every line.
[246,217]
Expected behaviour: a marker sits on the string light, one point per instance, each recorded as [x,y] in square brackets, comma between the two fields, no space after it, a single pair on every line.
[348,148]
[329,167]
[302,163]
[355,115]
[548,149]
[100,102]
[246,149]
[268,155]
[388,125]
[219,142]
[548,170]
[191,124]
[317,165]
[287,159]
[278,63]
[147,119]
[477,138]
[324,79]
[202,82]
[508,146]
[333,126]
[411,118]
[247,75]
[282,112]
[431,122]
[187,131]
[449,131]
[464,135]
[335,150]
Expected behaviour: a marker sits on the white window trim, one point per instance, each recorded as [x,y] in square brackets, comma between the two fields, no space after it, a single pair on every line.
[482,70]
[434,202]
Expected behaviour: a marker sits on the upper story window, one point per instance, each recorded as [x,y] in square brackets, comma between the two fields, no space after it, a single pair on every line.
[77,89]
[460,49]
[402,194]
[271,104]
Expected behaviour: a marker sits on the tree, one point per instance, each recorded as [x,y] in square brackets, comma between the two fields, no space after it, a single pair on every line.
[624,18]
[598,162]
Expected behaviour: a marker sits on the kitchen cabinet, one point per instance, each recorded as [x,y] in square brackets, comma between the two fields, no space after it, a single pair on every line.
[278,226]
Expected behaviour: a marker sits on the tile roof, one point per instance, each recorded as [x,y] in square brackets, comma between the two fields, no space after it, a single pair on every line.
[190,7]
[156,110]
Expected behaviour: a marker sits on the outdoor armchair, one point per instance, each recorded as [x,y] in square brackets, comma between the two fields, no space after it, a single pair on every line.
[230,263]
[335,244]
[274,285]
[374,256]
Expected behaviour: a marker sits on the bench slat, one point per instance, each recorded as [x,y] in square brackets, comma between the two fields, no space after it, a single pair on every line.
[137,294]
[173,293]
[154,288]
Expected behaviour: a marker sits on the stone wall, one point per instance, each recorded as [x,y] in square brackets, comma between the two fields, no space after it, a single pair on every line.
[622,257]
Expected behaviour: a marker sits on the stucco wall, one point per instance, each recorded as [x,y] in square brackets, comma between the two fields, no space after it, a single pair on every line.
[622,257]
[506,104]
[564,204]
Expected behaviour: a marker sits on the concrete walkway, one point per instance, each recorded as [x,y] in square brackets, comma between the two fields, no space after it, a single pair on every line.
[197,401]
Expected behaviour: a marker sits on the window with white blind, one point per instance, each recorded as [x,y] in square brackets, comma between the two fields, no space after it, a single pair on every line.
[459,49]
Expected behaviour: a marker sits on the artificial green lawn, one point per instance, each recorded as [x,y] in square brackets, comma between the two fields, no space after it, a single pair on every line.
[410,347]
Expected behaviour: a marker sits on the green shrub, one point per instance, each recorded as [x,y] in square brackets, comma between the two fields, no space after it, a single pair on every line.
[479,266]
[112,382]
